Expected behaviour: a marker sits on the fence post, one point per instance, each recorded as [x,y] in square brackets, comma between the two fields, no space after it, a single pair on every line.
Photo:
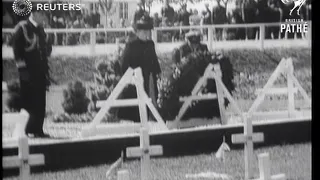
[118,46]
[92,42]
[262,36]
[55,39]
[210,38]
[154,34]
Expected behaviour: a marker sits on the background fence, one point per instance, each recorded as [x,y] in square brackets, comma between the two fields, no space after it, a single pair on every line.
[215,36]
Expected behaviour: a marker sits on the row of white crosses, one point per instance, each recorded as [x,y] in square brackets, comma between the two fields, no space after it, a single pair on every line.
[24,160]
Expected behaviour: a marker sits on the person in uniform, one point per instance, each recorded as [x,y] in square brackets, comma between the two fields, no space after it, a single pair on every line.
[140,52]
[209,108]
[31,51]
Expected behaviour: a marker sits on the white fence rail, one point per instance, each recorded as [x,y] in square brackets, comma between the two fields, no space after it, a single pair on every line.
[210,31]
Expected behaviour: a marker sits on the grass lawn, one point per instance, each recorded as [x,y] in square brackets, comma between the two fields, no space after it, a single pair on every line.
[293,160]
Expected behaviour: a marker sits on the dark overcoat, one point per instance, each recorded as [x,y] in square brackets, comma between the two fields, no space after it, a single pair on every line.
[138,53]
[31,52]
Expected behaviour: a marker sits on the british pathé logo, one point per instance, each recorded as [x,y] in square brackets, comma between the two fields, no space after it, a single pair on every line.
[22,7]
[297,4]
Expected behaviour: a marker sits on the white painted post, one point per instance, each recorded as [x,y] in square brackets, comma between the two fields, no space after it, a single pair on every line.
[248,138]
[55,39]
[291,103]
[123,175]
[220,94]
[264,169]
[262,36]
[142,105]
[92,42]
[210,38]
[144,152]
[145,159]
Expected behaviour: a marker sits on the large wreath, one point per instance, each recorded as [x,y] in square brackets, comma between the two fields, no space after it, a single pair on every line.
[181,80]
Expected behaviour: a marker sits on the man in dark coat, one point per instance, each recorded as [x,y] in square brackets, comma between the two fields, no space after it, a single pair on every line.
[140,52]
[209,108]
[31,52]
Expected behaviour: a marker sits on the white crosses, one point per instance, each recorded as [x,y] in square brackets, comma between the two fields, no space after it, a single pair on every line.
[248,138]
[144,152]
[23,160]
[264,168]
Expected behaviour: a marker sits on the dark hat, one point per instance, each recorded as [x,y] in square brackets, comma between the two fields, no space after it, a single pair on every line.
[144,23]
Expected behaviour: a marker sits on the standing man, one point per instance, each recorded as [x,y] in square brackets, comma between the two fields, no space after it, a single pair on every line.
[168,12]
[31,52]
[140,52]
[207,16]
[220,17]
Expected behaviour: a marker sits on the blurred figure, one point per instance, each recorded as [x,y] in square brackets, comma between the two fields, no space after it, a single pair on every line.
[207,16]
[58,24]
[95,18]
[275,15]
[184,16]
[156,20]
[138,13]
[195,18]
[167,12]
[110,23]
[100,35]
[248,11]
[122,23]
[220,17]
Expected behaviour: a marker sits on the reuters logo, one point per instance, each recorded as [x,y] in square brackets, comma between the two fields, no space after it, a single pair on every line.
[22,7]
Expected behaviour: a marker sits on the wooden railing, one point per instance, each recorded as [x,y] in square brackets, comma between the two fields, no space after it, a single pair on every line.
[209,28]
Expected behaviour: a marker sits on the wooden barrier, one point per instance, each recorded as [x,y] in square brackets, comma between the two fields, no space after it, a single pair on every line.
[264,169]
[144,152]
[211,72]
[143,101]
[293,87]
[24,160]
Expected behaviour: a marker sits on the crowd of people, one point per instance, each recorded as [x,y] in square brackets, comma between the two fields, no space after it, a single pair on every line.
[246,11]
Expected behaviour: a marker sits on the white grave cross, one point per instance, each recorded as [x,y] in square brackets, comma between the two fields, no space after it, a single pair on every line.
[248,138]
[144,152]
[264,168]
[23,160]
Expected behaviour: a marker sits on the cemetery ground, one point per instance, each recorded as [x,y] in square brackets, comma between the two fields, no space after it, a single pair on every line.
[293,160]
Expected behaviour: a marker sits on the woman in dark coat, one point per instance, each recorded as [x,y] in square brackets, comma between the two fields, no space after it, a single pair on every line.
[140,52]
